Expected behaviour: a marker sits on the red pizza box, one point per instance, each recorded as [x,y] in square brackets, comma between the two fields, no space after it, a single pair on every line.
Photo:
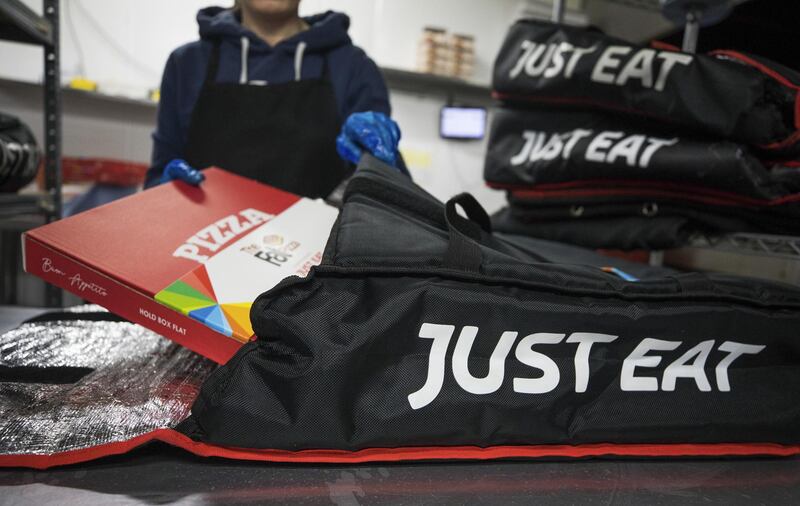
[186,262]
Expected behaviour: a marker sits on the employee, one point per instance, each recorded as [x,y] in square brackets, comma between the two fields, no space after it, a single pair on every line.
[265,93]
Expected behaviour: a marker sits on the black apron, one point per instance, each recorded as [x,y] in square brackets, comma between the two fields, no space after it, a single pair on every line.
[283,134]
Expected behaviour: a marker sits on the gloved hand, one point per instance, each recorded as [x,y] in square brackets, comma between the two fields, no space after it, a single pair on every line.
[374,132]
[182,171]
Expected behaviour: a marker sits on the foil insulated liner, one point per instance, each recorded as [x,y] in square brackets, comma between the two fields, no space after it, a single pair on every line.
[73,384]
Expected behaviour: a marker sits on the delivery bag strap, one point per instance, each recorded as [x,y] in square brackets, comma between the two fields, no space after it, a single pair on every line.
[463,250]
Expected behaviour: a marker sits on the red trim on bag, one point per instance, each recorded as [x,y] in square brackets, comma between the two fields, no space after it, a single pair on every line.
[664,46]
[664,189]
[757,64]
[613,183]
[647,193]
[76,456]
[793,139]
[179,440]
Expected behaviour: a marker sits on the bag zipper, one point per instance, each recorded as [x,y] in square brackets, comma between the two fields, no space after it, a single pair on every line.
[720,199]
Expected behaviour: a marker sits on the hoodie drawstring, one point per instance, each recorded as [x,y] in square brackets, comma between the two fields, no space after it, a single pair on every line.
[245,51]
[298,59]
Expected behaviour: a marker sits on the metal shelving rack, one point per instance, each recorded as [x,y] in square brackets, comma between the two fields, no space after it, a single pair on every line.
[20,24]
[777,246]
[765,256]
[450,88]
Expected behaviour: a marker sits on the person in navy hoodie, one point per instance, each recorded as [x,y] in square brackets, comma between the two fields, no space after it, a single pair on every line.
[264,93]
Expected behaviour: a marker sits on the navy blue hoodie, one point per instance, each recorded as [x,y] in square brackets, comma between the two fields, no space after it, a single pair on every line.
[356,80]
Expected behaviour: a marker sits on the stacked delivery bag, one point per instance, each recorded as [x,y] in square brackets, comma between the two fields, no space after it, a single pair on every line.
[606,144]
[422,335]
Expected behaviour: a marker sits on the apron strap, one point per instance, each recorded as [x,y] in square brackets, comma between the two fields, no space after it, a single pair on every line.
[325,70]
[213,63]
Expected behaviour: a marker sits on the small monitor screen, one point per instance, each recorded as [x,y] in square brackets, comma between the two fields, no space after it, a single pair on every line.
[462,123]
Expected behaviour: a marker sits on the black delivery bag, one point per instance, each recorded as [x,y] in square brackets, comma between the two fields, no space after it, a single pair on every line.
[608,181]
[724,94]
[707,211]
[528,148]
[423,336]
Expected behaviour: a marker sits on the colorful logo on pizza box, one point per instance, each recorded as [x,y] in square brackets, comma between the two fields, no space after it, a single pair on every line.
[194,296]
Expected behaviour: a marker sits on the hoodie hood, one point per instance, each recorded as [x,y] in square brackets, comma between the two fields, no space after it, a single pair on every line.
[326,31]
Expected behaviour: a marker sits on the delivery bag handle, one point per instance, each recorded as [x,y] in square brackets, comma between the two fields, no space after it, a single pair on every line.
[463,249]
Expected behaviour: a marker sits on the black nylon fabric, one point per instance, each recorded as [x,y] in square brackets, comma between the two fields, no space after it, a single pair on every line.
[729,95]
[545,146]
[563,253]
[343,356]
[624,233]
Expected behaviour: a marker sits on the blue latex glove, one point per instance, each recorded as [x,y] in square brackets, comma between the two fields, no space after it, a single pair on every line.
[178,169]
[374,132]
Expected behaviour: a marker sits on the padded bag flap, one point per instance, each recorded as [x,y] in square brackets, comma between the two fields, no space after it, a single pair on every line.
[83,383]
[388,350]
[724,94]
[545,146]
